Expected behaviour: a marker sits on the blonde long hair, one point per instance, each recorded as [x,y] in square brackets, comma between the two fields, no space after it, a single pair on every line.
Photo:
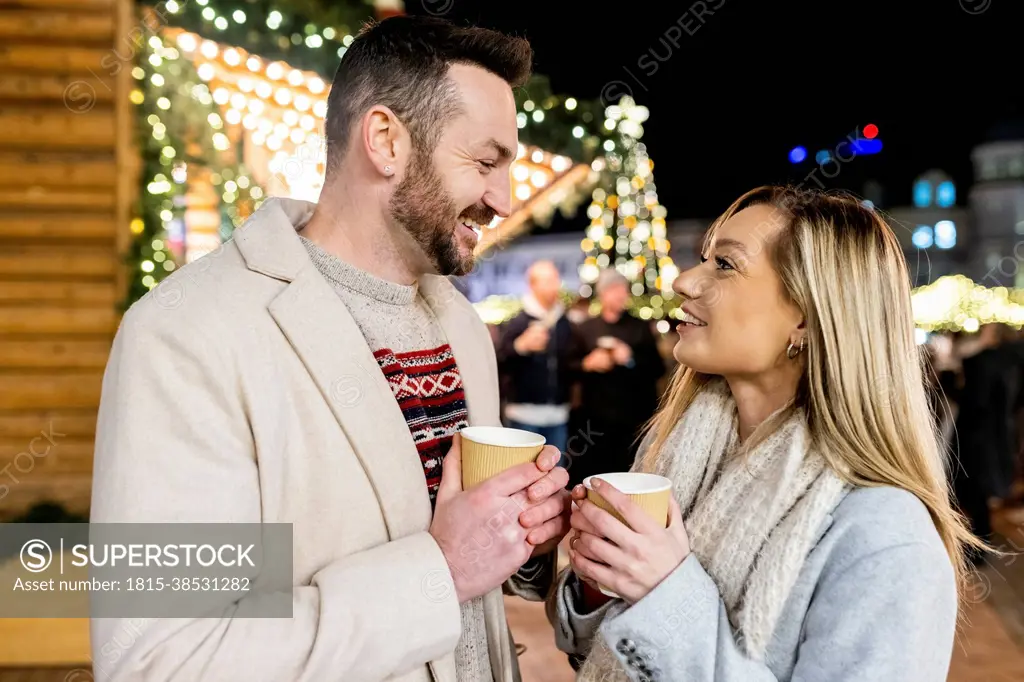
[863,391]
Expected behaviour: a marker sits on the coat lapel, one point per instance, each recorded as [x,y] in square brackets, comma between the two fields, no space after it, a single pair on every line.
[329,343]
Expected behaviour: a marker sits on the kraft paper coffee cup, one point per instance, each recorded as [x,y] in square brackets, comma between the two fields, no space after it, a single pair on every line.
[489,450]
[650,492]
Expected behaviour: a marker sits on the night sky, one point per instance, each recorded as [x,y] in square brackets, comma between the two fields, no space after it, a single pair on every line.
[732,92]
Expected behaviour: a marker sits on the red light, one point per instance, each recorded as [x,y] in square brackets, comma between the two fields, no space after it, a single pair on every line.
[871,131]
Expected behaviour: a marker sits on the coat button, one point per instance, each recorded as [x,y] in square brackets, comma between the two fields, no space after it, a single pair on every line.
[626,647]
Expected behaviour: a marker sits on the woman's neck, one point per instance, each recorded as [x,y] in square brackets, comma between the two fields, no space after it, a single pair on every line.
[758,398]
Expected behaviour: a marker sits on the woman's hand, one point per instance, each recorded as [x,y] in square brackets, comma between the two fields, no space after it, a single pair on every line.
[578,494]
[628,560]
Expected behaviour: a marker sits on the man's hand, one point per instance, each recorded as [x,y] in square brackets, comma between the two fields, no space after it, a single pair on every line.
[533,340]
[548,520]
[622,353]
[479,530]
[598,360]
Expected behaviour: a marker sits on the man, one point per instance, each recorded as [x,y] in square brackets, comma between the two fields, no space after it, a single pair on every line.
[315,370]
[534,356]
[620,366]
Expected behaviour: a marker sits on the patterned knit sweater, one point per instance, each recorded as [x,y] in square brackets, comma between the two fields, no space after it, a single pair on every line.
[413,353]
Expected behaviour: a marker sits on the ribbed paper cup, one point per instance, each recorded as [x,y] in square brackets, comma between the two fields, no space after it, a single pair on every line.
[490,450]
[650,492]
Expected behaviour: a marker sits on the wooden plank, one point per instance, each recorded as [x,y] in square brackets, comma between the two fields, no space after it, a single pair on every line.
[43,642]
[68,27]
[67,639]
[70,457]
[60,4]
[88,62]
[68,390]
[56,354]
[56,226]
[54,423]
[39,128]
[43,455]
[72,491]
[97,294]
[59,171]
[57,320]
[37,197]
[35,452]
[127,154]
[63,263]
[63,673]
[39,86]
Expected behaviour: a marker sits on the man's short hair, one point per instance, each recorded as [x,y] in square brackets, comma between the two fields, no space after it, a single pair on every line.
[402,63]
[610,277]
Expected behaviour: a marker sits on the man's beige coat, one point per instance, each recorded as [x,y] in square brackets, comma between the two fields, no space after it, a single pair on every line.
[241,390]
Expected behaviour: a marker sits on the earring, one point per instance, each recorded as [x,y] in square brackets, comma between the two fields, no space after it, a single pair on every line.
[793,351]
[387,170]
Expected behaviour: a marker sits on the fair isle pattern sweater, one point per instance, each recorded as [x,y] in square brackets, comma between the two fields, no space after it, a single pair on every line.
[413,353]
[428,388]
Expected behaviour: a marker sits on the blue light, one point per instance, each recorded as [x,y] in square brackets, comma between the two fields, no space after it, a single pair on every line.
[945,194]
[866,147]
[922,237]
[823,157]
[945,234]
[922,194]
[797,154]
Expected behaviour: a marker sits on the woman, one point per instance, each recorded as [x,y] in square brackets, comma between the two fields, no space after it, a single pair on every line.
[811,536]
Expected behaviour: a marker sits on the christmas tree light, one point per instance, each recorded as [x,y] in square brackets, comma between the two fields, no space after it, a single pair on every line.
[627,222]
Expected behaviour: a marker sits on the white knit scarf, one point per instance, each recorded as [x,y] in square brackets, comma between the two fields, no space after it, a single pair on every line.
[751,520]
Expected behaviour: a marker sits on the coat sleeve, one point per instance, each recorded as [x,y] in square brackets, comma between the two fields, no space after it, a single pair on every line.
[575,628]
[576,352]
[890,615]
[174,444]
[507,356]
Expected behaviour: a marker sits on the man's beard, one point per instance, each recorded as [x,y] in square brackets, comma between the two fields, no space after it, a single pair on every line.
[426,211]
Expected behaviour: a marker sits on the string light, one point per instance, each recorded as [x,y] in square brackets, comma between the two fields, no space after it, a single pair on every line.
[259,90]
[170,88]
[957,303]
[272,104]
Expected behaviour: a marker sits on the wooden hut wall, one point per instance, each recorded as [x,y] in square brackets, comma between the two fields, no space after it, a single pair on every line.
[67,182]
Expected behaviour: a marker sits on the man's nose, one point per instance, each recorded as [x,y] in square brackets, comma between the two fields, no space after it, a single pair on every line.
[499,195]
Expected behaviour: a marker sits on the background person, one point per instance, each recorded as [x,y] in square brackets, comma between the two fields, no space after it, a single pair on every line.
[534,355]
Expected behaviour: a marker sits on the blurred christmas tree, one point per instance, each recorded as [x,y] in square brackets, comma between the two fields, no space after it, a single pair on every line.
[627,223]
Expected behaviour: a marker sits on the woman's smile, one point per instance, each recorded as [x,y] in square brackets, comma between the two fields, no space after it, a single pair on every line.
[689,323]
